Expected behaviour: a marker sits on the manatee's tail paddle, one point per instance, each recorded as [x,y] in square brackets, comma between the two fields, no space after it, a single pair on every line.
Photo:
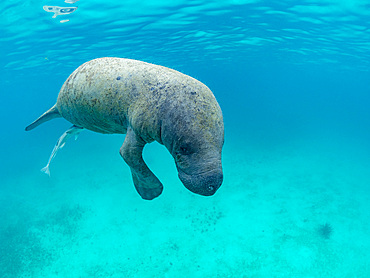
[52,113]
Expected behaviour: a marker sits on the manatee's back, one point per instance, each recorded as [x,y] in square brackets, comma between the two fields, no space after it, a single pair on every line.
[97,95]
[107,94]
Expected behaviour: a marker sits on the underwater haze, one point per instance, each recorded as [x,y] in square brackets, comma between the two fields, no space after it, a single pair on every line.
[292,79]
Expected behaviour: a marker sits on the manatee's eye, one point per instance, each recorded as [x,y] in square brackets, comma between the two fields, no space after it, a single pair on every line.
[185,150]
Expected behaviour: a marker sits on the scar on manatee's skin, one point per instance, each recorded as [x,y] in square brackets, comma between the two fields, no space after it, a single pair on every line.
[150,103]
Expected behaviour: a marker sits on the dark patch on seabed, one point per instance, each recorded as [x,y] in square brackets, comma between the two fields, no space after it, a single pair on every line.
[24,248]
[325,230]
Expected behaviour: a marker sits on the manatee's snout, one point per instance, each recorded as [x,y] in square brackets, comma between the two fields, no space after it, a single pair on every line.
[205,184]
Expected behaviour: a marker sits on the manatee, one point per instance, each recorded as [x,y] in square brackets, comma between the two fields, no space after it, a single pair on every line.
[148,103]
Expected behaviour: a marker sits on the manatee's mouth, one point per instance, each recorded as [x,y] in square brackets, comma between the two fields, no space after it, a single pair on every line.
[205,184]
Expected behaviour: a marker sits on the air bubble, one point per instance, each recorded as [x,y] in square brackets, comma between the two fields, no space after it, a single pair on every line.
[59,10]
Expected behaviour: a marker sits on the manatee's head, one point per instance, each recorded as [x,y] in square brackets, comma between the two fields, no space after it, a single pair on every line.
[194,135]
[200,175]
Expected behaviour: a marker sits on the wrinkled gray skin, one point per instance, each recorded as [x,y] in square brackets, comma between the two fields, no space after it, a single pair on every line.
[148,103]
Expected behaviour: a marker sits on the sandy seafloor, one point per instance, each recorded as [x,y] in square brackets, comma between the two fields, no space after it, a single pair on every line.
[86,220]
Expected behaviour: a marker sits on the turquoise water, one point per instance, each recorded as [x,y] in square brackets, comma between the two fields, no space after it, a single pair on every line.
[292,81]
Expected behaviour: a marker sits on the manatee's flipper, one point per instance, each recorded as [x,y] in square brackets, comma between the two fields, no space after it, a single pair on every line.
[52,113]
[146,183]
